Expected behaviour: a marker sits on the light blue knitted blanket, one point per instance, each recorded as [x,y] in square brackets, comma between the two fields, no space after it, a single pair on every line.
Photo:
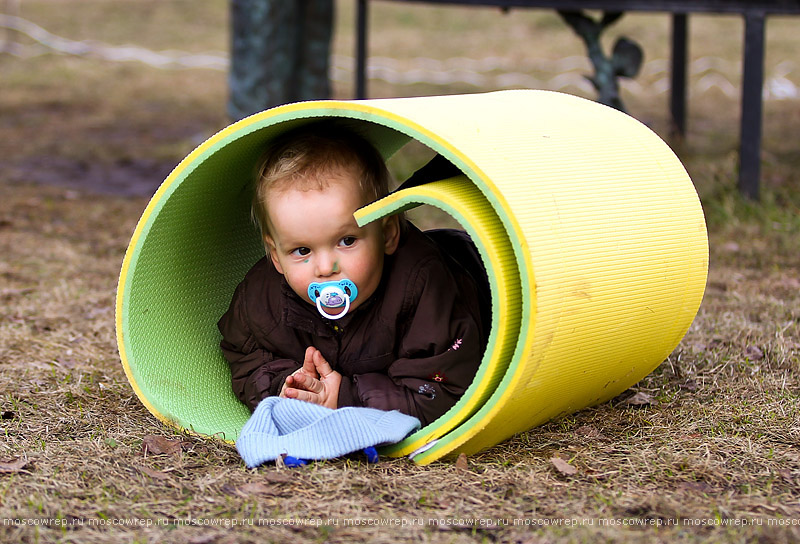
[309,431]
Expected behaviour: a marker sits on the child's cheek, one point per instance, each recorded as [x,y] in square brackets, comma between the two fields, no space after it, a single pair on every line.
[298,280]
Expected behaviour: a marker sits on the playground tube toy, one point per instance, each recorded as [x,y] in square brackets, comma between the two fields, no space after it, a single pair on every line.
[590,230]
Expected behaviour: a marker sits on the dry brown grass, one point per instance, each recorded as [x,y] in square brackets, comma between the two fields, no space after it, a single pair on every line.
[714,437]
[718,439]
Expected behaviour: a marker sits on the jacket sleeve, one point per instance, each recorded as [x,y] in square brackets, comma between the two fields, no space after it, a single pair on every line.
[255,372]
[440,350]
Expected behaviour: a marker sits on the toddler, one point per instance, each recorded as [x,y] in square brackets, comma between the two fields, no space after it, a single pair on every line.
[342,315]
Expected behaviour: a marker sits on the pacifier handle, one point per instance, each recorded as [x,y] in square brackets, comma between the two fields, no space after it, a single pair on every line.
[341,289]
[340,314]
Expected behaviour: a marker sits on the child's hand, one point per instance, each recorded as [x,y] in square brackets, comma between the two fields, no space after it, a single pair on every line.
[323,390]
[308,363]
[308,369]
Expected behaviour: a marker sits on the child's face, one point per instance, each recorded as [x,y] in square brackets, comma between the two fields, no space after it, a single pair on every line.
[314,237]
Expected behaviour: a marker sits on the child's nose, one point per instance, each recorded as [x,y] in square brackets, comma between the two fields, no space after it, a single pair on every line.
[326,265]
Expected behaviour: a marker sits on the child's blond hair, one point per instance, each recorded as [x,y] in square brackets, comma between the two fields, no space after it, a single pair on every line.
[303,158]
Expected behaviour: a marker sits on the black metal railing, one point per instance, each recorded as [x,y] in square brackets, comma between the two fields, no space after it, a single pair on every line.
[754,13]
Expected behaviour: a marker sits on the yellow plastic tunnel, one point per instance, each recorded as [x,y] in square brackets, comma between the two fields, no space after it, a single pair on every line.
[589,227]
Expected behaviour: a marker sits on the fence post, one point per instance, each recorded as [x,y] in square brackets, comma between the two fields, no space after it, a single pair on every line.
[752,85]
[678,85]
[279,53]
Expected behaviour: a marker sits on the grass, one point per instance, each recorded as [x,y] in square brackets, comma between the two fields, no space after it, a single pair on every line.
[83,142]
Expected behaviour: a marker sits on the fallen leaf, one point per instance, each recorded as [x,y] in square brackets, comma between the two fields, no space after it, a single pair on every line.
[66,362]
[461,462]
[731,247]
[279,477]
[206,538]
[155,474]
[754,353]
[690,385]
[210,538]
[98,311]
[256,488]
[563,467]
[721,286]
[11,467]
[601,476]
[791,284]
[10,293]
[639,399]
[588,431]
[158,445]
[696,487]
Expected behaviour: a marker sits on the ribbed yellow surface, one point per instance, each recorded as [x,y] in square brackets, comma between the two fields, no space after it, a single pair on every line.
[615,248]
[462,200]
[590,229]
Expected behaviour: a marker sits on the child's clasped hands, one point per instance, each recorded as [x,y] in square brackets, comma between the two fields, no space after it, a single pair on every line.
[314,382]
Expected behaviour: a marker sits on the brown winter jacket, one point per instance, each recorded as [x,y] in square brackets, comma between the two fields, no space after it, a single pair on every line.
[413,346]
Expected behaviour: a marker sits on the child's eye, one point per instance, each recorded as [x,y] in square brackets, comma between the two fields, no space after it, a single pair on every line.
[300,252]
[347,241]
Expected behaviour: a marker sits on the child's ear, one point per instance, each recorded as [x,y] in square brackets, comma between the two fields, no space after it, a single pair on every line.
[391,234]
[269,243]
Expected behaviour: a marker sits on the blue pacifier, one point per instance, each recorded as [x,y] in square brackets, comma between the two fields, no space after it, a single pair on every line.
[333,294]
